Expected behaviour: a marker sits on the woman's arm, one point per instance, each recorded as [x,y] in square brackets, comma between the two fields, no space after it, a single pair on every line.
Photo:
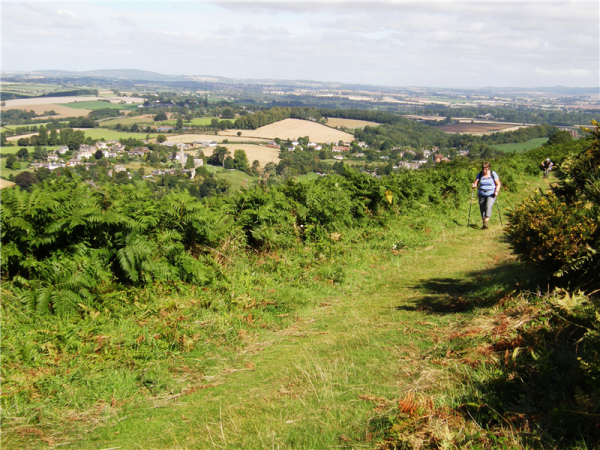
[475,183]
[498,186]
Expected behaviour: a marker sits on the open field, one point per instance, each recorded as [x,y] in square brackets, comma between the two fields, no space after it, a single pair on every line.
[62,111]
[98,133]
[29,87]
[236,179]
[5,183]
[414,116]
[145,118]
[521,146]
[188,138]
[349,123]
[263,154]
[485,127]
[58,104]
[97,104]
[5,172]
[293,129]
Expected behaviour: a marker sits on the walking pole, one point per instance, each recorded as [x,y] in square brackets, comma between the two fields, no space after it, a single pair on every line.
[499,214]
[470,204]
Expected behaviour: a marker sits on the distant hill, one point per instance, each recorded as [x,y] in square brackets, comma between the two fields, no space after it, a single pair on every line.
[550,89]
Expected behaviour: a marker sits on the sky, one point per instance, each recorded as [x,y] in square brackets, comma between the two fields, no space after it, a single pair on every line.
[436,44]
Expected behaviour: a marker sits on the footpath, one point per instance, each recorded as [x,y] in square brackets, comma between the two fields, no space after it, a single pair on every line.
[324,381]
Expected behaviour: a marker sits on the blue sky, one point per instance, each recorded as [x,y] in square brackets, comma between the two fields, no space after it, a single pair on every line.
[445,44]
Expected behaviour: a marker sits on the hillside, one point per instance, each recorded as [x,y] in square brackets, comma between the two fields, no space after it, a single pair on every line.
[346,311]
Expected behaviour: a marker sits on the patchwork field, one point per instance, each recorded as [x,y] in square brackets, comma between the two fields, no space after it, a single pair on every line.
[349,123]
[263,154]
[188,138]
[62,105]
[293,129]
[481,128]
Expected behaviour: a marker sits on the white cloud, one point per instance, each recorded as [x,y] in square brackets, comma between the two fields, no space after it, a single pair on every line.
[401,43]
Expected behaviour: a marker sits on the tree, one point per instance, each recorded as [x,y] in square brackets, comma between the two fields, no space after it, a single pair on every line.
[229,163]
[25,180]
[42,173]
[40,154]
[227,113]
[42,138]
[558,138]
[161,138]
[10,161]
[239,133]
[189,164]
[160,116]
[214,122]
[23,153]
[153,158]
[218,156]
[135,128]
[240,160]
[99,154]
[23,142]
[179,124]
[53,139]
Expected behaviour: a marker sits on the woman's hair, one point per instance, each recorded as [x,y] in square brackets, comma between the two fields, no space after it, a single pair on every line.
[485,165]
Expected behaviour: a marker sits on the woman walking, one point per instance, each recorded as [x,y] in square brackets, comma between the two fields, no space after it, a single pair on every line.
[489,187]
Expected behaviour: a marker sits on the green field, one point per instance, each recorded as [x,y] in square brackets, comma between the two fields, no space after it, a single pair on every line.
[127,121]
[131,120]
[97,133]
[96,104]
[15,148]
[4,172]
[29,87]
[236,178]
[521,146]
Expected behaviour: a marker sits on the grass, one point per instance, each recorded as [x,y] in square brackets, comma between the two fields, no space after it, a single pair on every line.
[314,355]
[97,104]
[521,146]
[29,86]
[236,178]
[98,133]
[149,120]
[5,172]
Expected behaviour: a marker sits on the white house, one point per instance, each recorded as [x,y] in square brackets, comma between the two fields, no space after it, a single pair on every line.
[62,149]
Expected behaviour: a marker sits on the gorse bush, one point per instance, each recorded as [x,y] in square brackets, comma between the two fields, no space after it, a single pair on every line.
[559,230]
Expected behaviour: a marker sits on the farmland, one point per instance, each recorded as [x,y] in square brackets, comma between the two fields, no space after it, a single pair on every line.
[98,133]
[97,104]
[5,172]
[521,146]
[65,106]
[5,183]
[295,128]
[236,179]
[263,154]
[349,123]
[188,138]
[478,127]
[146,118]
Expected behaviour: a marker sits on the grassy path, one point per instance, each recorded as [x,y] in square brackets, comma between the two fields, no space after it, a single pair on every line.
[325,381]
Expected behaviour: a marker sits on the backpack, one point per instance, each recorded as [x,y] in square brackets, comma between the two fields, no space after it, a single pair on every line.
[480,175]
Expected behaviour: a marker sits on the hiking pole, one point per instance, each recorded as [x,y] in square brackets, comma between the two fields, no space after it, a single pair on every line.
[499,214]
[470,204]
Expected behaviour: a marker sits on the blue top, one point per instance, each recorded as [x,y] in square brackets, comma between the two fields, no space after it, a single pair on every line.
[487,186]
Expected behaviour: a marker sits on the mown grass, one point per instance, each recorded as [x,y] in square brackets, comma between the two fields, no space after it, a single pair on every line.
[309,349]
[521,146]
